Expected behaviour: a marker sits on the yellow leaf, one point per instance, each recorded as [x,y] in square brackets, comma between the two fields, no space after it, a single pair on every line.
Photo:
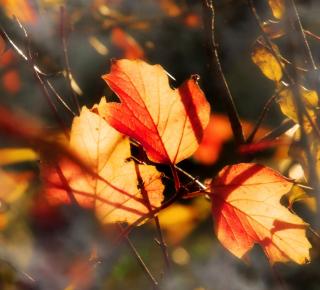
[16,155]
[179,220]
[297,194]
[13,187]
[298,153]
[266,62]
[277,7]
[287,105]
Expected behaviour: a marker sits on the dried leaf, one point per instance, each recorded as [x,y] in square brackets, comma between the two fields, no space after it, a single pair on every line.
[246,209]
[168,123]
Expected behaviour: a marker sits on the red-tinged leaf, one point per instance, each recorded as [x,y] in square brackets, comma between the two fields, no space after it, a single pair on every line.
[215,135]
[219,132]
[119,190]
[128,45]
[192,20]
[246,209]
[168,122]
[7,58]
[11,81]
[2,46]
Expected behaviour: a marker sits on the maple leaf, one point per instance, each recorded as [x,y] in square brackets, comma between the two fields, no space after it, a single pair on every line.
[246,209]
[168,122]
[119,190]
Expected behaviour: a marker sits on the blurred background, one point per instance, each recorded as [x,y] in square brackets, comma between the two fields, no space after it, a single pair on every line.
[65,248]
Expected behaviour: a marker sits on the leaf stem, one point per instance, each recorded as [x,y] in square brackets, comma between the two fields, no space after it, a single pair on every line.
[163,245]
[176,179]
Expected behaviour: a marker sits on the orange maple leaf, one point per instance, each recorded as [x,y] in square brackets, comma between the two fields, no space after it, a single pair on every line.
[120,190]
[168,122]
[246,209]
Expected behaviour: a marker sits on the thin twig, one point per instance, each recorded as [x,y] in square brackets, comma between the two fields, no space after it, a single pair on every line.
[62,101]
[286,125]
[309,33]
[144,267]
[162,242]
[163,245]
[217,71]
[265,110]
[299,106]
[196,180]
[66,58]
[176,179]
[303,35]
[39,74]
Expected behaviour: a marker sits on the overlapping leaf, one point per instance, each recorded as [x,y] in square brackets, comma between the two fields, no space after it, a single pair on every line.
[168,122]
[118,189]
[246,209]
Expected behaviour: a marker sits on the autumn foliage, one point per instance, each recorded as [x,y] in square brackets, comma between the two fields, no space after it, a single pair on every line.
[125,158]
